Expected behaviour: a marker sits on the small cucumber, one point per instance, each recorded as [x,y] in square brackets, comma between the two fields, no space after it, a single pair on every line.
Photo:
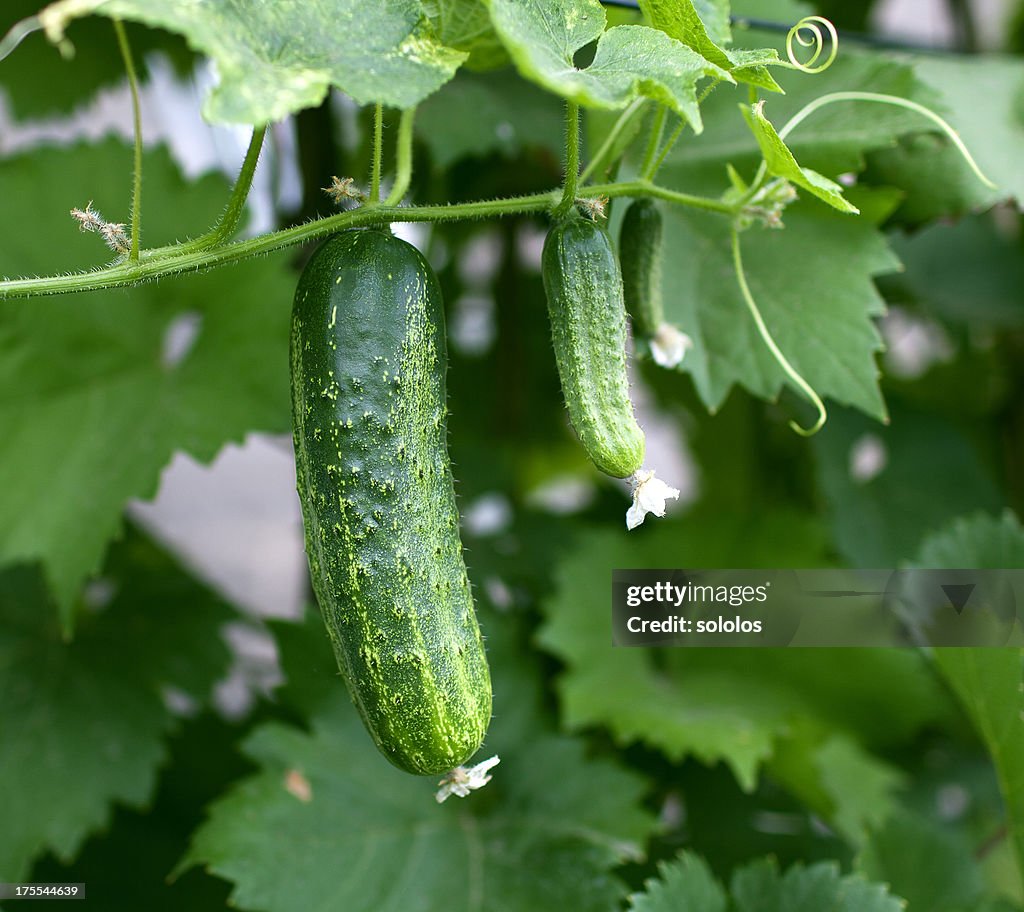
[640,257]
[588,327]
[368,362]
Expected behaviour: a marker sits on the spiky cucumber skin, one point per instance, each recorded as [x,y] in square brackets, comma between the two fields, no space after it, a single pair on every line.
[640,259]
[368,363]
[583,286]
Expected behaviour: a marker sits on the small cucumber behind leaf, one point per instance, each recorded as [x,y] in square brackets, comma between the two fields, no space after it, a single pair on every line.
[368,363]
[640,257]
[588,327]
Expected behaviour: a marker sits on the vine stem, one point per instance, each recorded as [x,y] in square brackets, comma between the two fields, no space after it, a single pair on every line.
[678,131]
[653,142]
[572,159]
[403,164]
[673,138]
[898,102]
[176,260]
[232,214]
[378,153]
[133,85]
[225,226]
[769,341]
[599,159]
[878,98]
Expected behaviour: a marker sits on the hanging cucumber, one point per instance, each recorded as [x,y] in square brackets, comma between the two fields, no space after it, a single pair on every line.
[368,362]
[640,258]
[588,327]
[640,243]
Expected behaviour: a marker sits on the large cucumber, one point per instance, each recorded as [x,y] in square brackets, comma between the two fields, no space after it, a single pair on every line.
[640,258]
[588,327]
[368,362]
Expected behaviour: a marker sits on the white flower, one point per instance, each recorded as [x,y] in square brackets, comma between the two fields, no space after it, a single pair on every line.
[669,345]
[461,781]
[649,496]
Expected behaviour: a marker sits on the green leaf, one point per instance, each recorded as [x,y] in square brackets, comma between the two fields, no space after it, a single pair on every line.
[982,97]
[813,285]
[832,141]
[714,15]
[275,59]
[780,161]
[84,723]
[930,473]
[681,20]
[686,884]
[683,884]
[38,81]
[203,761]
[848,787]
[94,398]
[482,113]
[465,25]
[718,705]
[709,714]
[542,36]
[990,685]
[861,786]
[978,541]
[968,272]
[373,838]
[819,888]
[929,865]
[988,682]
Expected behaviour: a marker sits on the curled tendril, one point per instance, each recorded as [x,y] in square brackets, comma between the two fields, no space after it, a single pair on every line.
[18,33]
[898,102]
[810,32]
[773,347]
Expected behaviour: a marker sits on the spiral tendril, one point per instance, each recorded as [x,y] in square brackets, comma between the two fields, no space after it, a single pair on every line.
[810,32]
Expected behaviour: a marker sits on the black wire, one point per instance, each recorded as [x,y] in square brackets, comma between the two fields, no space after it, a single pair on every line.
[768,25]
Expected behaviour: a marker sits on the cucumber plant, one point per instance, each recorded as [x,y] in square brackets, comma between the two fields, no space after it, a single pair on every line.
[368,348]
[611,759]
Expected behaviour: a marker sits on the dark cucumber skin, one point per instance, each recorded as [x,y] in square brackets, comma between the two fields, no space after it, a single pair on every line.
[588,329]
[368,363]
[640,256]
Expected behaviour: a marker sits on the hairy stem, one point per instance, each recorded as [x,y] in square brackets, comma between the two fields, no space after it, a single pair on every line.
[232,214]
[673,138]
[133,85]
[653,142]
[185,258]
[572,159]
[378,153]
[677,132]
[403,163]
[228,222]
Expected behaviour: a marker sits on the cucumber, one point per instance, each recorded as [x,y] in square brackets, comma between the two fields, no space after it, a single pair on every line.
[588,328]
[368,362]
[640,257]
